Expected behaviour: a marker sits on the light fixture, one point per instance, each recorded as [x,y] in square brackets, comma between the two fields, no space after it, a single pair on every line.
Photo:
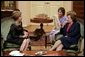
[47,3]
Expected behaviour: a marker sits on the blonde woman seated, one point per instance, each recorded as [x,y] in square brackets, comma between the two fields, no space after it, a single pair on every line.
[17,34]
[71,33]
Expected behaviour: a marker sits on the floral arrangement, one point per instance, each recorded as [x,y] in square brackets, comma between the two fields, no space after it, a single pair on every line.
[41,16]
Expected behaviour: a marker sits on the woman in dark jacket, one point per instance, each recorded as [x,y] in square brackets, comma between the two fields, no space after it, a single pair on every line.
[71,33]
[17,34]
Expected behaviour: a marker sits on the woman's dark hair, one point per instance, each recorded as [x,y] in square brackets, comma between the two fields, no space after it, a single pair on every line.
[62,10]
[73,15]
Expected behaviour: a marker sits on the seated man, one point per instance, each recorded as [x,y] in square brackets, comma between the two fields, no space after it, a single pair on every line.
[71,33]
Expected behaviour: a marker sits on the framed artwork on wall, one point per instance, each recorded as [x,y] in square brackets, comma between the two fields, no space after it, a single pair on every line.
[8,5]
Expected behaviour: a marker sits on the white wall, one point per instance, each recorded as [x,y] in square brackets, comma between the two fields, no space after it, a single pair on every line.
[31,8]
[24,7]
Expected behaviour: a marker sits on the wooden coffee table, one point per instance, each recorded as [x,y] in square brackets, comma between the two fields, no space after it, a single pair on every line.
[48,53]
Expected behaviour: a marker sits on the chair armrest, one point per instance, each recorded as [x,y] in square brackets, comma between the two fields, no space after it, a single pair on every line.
[72,46]
[58,36]
[82,45]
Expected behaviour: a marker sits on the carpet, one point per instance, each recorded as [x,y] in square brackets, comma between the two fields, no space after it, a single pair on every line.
[40,42]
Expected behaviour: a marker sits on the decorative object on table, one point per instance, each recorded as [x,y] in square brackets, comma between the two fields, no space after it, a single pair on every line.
[41,16]
[40,53]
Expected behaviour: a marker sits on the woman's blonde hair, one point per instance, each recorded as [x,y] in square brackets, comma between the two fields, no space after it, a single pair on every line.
[16,14]
[72,14]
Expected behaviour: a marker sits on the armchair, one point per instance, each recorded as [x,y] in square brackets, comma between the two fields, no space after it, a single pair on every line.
[5,26]
[75,49]
[79,48]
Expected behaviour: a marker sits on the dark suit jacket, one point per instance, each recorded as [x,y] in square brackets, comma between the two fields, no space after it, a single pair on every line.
[15,33]
[73,34]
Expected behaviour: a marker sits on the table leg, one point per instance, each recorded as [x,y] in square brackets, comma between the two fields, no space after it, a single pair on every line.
[45,41]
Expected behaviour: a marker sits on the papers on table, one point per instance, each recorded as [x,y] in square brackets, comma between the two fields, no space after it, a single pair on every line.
[16,53]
